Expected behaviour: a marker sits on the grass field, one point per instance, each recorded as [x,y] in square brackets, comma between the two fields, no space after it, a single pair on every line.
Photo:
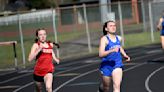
[7,58]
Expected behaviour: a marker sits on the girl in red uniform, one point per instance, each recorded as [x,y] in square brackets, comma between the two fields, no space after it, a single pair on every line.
[42,51]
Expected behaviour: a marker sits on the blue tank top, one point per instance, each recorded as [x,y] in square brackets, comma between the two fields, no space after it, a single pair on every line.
[163,24]
[162,31]
[114,56]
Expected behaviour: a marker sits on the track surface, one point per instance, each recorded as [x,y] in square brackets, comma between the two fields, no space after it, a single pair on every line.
[145,73]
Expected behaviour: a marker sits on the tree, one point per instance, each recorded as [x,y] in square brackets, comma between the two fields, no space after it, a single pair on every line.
[41,4]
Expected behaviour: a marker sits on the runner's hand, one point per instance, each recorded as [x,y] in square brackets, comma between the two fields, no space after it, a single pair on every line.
[116,49]
[127,58]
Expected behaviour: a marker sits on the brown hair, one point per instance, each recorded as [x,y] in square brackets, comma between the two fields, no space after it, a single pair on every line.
[105,25]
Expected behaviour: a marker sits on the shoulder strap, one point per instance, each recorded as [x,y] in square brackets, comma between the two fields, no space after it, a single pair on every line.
[38,43]
[117,38]
[49,44]
[108,38]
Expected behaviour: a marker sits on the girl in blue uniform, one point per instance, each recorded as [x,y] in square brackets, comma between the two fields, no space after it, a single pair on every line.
[111,52]
[160,27]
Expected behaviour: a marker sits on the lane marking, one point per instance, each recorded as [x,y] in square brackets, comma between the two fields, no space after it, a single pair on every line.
[133,50]
[134,66]
[70,69]
[133,59]
[84,83]
[72,63]
[28,84]
[131,63]
[74,69]
[26,71]
[65,83]
[23,86]
[7,69]
[92,61]
[67,74]
[154,51]
[86,73]
[149,77]
[14,78]
[7,87]
[153,46]
[158,58]
[7,72]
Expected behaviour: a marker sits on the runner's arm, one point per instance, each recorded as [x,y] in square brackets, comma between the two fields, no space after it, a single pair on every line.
[34,52]
[54,56]
[124,54]
[159,24]
[102,45]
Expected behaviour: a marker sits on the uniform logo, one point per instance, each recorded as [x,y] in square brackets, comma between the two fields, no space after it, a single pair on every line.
[115,46]
[47,50]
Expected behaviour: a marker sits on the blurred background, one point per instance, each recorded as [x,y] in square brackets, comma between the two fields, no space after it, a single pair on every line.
[75,24]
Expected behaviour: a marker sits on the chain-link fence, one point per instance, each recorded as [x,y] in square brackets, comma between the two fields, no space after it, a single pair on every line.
[78,28]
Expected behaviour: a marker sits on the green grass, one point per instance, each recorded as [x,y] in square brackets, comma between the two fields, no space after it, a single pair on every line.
[131,40]
[138,39]
[7,58]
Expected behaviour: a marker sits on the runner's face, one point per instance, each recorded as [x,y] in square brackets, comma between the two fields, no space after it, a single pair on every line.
[42,35]
[111,27]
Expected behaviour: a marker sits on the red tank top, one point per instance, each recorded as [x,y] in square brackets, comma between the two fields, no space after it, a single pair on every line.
[44,63]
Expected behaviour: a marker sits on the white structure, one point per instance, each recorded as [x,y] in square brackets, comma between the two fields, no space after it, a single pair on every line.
[26,17]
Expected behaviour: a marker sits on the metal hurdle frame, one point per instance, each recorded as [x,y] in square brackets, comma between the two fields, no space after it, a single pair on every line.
[14,49]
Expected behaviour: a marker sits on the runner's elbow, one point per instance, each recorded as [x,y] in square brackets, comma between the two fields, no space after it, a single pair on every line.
[29,59]
[100,55]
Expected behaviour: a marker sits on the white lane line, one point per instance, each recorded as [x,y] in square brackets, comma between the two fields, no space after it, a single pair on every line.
[133,59]
[72,63]
[65,83]
[92,61]
[68,74]
[131,63]
[8,69]
[15,78]
[84,83]
[153,46]
[28,84]
[134,67]
[91,83]
[158,58]
[74,68]
[66,70]
[133,50]
[23,87]
[149,77]
[154,51]
[7,87]
[7,72]
[144,56]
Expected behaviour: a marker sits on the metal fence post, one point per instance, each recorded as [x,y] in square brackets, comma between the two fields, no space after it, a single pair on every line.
[151,22]
[121,23]
[21,39]
[143,15]
[54,28]
[87,28]
[103,10]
